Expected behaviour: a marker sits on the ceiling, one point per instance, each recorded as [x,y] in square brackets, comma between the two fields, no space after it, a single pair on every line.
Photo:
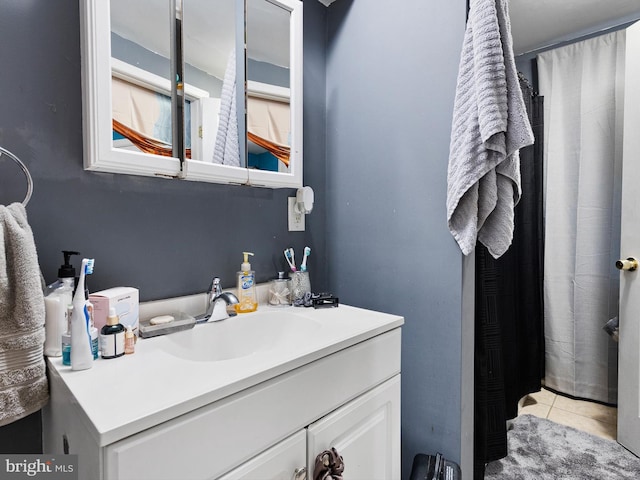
[539,23]
[534,24]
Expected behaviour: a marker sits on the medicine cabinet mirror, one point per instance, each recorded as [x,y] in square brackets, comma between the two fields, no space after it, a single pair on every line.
[233,114]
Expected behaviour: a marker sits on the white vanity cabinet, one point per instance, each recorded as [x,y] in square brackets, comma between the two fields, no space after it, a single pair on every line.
[346,397]
[365,432]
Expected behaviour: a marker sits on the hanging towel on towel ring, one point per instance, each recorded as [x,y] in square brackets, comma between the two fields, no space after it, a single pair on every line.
[490,126]
[23,383]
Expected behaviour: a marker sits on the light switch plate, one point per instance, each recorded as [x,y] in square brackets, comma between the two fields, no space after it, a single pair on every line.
[296,219]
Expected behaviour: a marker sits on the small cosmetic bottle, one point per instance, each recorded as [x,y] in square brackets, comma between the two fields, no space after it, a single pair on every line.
[129,341]
[112,336]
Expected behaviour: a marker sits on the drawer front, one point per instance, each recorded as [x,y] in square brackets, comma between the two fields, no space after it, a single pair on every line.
[280,462]
[212,440]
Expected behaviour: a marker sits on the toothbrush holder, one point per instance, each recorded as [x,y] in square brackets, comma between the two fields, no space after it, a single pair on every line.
[300,285]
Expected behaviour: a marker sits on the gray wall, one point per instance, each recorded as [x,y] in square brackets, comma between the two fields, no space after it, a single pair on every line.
[165,237]
[378,230]
[391,76]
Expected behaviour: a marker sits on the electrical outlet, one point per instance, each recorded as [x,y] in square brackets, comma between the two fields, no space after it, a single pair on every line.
[296,219]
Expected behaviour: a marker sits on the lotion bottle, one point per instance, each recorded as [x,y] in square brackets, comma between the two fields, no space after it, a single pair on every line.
[112,336]
[247,297]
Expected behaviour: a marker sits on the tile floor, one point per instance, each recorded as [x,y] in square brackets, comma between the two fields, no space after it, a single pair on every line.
[587,416]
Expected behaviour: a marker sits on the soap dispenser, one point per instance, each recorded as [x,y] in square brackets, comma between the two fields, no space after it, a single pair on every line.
[58,297]
[247,297]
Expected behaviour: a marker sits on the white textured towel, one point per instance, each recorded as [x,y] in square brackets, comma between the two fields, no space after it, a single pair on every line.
[227,147]
[23,383]
[490,125]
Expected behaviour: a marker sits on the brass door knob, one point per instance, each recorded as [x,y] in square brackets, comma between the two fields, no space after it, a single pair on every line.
[629,264]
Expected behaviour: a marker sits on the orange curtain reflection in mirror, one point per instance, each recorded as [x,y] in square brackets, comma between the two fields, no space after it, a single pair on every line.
[144,143]
[269,126]
[281,152]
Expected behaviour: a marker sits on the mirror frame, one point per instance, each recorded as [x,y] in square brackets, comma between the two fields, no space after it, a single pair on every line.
[99,153]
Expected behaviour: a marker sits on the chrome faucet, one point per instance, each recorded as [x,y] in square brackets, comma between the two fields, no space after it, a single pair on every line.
[217,304]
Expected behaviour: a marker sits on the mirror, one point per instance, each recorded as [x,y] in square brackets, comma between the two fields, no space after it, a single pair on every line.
[210,64]
[268,76]
[213,62]
[135,124]
[274,92]
[139,107]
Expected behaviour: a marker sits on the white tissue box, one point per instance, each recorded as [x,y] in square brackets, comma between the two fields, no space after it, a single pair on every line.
[125,300]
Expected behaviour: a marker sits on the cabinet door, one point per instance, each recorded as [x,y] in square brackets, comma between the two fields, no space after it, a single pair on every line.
[365,432]
[280,462]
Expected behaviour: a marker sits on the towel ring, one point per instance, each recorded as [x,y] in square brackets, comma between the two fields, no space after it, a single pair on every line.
[26,172]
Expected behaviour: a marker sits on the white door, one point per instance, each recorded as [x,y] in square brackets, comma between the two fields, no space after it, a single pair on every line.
[284,461]
[629,316]
[365,432]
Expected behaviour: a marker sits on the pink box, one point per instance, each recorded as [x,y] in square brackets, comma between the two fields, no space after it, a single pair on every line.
[125,300]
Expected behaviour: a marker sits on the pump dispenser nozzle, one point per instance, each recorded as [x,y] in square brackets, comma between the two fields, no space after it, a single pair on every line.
[246,266]
[67,270]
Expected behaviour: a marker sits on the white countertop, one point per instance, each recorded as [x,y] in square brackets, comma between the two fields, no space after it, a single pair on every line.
[126,395]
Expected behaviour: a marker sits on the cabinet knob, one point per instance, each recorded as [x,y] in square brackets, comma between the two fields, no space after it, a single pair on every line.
[629,264]
[300,473]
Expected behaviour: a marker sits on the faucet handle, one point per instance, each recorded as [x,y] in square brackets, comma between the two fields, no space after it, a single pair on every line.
[216,289]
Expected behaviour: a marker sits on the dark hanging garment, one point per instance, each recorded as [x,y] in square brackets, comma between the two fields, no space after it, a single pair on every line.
[509,322]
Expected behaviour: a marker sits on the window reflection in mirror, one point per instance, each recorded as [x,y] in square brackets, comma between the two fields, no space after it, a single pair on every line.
[268,86]
[141,90]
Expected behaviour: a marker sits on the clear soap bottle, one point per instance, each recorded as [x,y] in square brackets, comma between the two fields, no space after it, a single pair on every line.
[58,297]
[247,297]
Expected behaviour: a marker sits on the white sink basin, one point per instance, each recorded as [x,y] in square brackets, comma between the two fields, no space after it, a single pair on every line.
[242,335]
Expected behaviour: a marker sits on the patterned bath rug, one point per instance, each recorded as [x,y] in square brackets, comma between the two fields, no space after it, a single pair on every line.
[540,449]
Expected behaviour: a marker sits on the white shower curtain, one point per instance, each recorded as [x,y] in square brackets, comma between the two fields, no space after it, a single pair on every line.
[582,85]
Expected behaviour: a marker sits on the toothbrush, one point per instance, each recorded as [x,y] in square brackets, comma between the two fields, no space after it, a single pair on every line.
[81,354]
[87,269]
[289,257]
[303,265]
